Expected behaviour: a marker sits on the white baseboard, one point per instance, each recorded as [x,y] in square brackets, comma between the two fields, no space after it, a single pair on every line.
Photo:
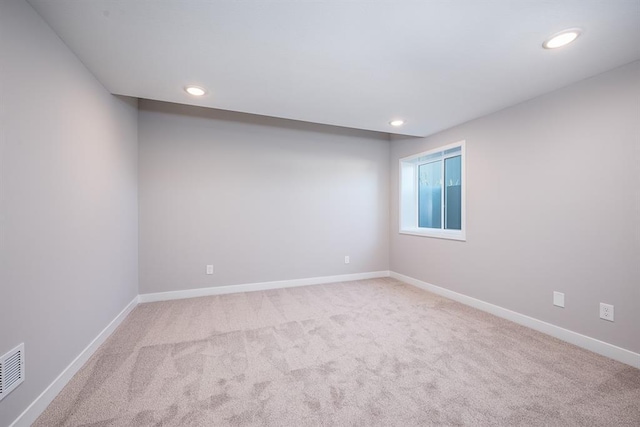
[262,286]
[37,407]
[609,350]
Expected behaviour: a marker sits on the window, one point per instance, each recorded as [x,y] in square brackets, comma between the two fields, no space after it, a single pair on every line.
[432,193]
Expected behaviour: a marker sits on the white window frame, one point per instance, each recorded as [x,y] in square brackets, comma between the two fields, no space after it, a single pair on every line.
[408,194]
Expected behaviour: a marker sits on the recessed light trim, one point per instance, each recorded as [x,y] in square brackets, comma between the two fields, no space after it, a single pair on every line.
[562,38]
[195,90]
[396,123]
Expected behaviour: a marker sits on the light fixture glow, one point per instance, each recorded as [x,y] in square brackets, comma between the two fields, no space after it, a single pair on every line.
[195,90]
[396,123]
[562,38]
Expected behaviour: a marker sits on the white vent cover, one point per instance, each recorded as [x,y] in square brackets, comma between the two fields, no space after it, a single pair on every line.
[11,370]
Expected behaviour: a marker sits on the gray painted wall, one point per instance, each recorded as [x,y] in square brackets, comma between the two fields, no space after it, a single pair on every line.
[68,202]
[261,199]
[553,204]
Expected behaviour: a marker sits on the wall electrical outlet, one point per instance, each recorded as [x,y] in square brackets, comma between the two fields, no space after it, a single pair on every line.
[209,269]
[346,260]
[606,312]
[558,299]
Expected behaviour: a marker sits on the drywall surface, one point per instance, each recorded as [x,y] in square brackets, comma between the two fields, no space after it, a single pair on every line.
[553,204]
[260,199]
[68,202]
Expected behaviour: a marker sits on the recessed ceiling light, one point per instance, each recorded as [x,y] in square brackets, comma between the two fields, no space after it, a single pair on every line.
[195,90]
[562,38]
[396,123]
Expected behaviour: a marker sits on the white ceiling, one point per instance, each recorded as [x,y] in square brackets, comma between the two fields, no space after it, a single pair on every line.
[349,63]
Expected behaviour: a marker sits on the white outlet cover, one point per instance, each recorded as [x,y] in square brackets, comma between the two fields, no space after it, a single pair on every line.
[209,269]
[606,311]
[346,260]
[558,299]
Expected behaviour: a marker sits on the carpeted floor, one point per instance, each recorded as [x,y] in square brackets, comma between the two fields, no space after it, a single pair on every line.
[373,352]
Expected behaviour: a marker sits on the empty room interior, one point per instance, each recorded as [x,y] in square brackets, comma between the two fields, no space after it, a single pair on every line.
[319,213]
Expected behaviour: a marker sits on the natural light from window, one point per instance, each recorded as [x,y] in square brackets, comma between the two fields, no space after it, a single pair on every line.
[432,193]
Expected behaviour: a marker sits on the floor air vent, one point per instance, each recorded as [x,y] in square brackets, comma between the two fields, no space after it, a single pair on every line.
[11,370]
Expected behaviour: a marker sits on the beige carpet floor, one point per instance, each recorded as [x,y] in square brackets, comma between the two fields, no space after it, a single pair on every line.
[366,353]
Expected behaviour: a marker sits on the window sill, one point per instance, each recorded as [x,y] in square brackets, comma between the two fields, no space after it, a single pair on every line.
[438,234]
